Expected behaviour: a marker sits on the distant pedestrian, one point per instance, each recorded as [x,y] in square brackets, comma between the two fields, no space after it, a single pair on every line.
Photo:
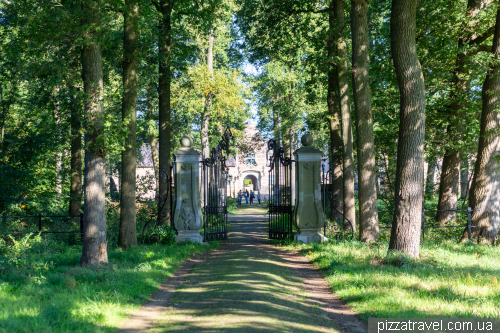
[259,197]
[246,196]
[252,196]
[240,198]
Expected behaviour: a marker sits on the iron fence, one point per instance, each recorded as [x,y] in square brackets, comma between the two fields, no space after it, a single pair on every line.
[43,224]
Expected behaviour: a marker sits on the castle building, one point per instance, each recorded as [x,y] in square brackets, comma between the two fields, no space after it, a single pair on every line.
[246,172]
[250,172]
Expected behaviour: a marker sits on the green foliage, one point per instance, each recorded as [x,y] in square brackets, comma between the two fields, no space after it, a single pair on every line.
[446,281]
[42,288]
[232,203]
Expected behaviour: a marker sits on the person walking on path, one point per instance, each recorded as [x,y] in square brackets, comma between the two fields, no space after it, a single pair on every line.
[259,197]
[240,197]
[246,196]
[252,196]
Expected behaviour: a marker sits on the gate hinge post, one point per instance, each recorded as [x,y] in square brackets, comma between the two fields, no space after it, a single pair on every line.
[309,217]
[187,214]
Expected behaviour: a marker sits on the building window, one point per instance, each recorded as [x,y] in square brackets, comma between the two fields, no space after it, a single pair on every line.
[271,179]
[250,159]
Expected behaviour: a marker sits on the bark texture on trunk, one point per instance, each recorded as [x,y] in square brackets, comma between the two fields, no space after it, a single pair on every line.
[165,122]
[59,156]
[153,139]
[464,177]
[345,108]
[430,179]
[448,187]
[405,233]
[4,116]
[127,235]
[334,117]
[484,193]
[75,196]
[367,191]
[205,118]
[94,249]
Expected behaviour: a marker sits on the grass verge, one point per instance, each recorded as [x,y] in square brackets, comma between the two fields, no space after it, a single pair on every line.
[42,289]
[449,280]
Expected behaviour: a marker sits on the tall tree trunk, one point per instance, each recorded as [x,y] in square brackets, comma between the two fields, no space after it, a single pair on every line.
[405,233]
[4,115]
[94,250]
[345,108]
[152,135]
[75,196]
[429,183]
[205,118]
[127,235]
[207,109]
[165,122]
[5,105]
[464,176]
[59,154]
[484,193]
[367,191]
[334,116]
[448,186]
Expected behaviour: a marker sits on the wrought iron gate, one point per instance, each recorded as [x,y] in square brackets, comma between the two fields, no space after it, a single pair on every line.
[214,178]
[280,192]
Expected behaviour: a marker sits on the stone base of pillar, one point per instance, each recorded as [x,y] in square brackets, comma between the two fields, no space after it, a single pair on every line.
[307,236]
[189,236]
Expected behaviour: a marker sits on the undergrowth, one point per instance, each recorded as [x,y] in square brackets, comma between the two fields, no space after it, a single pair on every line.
[42,288]
[449,279]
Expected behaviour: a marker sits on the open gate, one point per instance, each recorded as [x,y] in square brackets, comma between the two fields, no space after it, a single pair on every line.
[214,178]
[280,192]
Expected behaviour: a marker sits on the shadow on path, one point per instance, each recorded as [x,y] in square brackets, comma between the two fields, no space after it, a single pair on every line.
[251,286]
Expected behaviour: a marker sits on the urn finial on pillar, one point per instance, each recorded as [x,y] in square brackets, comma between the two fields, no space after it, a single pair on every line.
[187,215]
[309,217]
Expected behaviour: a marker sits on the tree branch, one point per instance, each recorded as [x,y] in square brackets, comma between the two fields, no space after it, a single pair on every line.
[319,11]
[157,5]
[482,48]
[479,39]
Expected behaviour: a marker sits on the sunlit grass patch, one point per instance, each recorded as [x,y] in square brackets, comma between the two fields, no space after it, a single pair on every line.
[449,279]
[47,291]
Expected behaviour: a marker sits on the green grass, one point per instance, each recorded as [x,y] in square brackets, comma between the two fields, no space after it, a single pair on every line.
[232,203]
[42,289]
[449,279]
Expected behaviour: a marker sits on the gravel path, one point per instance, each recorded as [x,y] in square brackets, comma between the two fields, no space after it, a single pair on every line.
[247,286]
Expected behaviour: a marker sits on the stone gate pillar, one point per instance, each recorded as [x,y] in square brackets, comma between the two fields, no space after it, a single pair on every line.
[309,217]
[187,215]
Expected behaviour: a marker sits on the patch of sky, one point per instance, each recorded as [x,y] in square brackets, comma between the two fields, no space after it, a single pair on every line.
[251,70]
